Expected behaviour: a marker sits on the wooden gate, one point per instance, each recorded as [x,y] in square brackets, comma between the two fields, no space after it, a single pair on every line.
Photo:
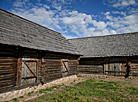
[115,68]
[29,71]
[65,67]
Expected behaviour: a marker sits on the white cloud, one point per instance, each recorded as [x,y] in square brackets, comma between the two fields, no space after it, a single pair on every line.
[46,6]
[18,3]
[100,25]
[124,3]
[121,12]
[58,8]
[77,24]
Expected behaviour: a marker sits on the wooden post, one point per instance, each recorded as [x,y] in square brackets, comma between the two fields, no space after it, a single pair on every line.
[61,67]
[19,67]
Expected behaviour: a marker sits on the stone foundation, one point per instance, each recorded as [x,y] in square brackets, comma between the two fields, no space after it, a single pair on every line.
[14,94]
[105,76]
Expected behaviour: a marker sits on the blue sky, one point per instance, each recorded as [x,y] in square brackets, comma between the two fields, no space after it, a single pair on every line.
[79,18]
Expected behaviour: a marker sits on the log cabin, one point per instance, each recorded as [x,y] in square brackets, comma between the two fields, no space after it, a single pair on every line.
[31,54]
[115,55]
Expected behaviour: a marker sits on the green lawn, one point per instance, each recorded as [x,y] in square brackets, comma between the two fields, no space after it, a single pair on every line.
[93,91]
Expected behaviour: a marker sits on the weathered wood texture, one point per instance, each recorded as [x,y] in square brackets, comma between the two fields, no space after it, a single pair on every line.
[116,69]
[73,64]
[29,71]
[51,69]
[91,61]
[115,66]
[8,72]
[90,69]
[49,55]
[134,67]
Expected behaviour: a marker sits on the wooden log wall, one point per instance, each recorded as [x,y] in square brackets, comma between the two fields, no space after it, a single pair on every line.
[90,69]
[8,72]
[134,67]
[51,69]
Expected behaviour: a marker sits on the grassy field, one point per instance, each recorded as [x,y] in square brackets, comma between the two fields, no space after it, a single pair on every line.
[92,91]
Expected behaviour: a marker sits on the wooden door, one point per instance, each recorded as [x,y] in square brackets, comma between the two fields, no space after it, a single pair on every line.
[115,67]
[65,67]
[29,71]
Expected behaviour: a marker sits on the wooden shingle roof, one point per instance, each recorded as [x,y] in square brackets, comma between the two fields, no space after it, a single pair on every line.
[107,46]
[17,31]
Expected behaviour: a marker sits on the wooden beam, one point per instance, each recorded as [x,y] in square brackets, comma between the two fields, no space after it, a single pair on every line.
[18,82]
[35,60]
[61,67]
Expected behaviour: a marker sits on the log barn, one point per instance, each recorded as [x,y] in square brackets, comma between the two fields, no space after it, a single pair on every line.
[31,54]
[112,54]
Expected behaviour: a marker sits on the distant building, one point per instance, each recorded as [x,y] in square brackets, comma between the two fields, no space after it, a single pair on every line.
[113,54]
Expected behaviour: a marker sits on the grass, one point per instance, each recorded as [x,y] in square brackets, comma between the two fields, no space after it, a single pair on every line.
[21,96]
[15,99]
[93,90]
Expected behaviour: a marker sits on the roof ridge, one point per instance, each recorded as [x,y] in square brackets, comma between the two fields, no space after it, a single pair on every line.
[104,36]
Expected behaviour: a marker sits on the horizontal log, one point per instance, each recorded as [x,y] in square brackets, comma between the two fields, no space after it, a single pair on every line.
[7,60]
[47,70]
[7,83]
[116,71]
[4,89]
[30,77]
[51,74]
[7,72]
[52,62]
[90,67]
[7,68]
[9,53]
[51,66]
[71,73]
[6,77]
[93,71]
[52,78]
[9,63]
[30,60]
[134,73]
